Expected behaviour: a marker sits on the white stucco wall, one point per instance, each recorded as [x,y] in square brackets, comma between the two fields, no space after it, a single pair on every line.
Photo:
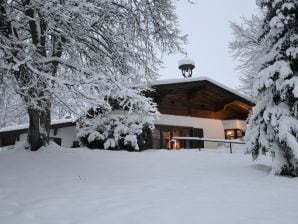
[234,124]
[67,135]
[211,128]
[23,137]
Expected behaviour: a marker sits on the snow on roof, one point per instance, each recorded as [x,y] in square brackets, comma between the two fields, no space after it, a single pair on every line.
[14,127]
[25,126]
[62,121]
[186,61]
[202,78]
[156,83]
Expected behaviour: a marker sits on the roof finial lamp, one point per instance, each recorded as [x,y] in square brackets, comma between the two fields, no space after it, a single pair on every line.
[186,66]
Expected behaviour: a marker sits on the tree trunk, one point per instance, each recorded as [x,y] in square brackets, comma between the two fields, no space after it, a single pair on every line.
[39,128]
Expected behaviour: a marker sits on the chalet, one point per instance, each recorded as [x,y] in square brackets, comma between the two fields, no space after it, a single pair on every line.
[189,107]
[198,107]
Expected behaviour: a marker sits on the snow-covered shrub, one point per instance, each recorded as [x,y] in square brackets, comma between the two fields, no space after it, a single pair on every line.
[115,131]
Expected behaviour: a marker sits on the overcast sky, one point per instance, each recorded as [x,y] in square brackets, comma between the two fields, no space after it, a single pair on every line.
[207,23]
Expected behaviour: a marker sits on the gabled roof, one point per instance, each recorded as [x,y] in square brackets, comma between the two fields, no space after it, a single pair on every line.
[193,80]
[200,97]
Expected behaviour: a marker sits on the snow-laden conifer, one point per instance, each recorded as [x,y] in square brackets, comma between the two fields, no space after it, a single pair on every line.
[273,125]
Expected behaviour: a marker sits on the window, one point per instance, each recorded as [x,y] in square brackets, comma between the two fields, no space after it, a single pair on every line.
[75,144]
[58,141]
[9,140]
[233,133]
[162,136]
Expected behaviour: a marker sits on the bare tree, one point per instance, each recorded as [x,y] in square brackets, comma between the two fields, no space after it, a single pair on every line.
[246,47]
[12,110]
[90,50]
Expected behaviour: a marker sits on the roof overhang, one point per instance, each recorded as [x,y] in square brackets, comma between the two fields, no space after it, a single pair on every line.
[21,129]
[200,97]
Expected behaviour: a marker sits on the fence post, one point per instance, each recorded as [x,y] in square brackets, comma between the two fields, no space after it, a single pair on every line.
[231,151]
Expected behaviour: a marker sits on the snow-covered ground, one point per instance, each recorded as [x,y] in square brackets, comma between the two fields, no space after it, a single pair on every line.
[80,186]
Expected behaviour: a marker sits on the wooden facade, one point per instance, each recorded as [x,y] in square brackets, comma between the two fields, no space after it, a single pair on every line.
[200,98]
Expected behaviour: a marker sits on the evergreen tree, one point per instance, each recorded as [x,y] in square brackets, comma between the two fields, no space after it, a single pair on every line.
[273,125]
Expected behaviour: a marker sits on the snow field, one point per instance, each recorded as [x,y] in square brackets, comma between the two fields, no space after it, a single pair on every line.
[75,186]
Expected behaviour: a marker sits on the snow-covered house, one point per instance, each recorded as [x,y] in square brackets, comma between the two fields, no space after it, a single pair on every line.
[198,107]
[189,107]
[63,132]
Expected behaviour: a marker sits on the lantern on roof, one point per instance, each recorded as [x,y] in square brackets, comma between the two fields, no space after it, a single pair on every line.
[186,66]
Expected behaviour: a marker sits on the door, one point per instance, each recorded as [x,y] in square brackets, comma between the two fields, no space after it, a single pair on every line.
[197,132]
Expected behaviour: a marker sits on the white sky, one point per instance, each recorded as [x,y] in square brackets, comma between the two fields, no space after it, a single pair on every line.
[207,23]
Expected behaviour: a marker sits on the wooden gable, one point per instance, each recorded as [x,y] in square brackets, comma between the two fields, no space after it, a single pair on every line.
[202,99]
